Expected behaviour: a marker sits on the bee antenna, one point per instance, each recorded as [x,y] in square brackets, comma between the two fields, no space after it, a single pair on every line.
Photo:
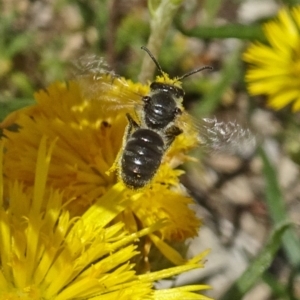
[194,71]
[154,59]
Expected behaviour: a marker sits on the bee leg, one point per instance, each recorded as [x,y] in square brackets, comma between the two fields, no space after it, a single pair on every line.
[131,125]
[171,134]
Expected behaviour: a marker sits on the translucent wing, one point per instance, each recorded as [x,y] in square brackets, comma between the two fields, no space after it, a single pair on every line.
[227,137]
[92,64]
[99,83]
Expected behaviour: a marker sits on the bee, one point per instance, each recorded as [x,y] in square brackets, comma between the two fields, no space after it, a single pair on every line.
[160,119]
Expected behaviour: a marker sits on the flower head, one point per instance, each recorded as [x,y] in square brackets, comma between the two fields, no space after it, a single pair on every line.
[89,134]
[46,254]
[274,68]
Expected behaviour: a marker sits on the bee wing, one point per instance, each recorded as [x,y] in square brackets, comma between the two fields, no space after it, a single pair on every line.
[227,137]
[99,83]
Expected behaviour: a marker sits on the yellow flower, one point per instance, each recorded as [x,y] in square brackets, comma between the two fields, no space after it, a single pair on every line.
[274,69]
[46,254]
[89,137]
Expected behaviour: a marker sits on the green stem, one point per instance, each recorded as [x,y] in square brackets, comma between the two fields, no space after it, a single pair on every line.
[162,16]
[239,31]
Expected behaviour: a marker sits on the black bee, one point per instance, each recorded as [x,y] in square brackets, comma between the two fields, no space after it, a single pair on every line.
[160,120]
[146,143]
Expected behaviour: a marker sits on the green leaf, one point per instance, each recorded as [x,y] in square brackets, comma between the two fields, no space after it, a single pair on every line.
[276,207]
[278,289]
[258,266]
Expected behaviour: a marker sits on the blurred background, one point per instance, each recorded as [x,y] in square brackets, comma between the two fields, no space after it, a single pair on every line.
[243,193]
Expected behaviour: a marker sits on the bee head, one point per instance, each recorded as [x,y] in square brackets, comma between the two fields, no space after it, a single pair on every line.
[170,88]
[176,82]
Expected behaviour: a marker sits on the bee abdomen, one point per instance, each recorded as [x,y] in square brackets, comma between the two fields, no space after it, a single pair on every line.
[141,158]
